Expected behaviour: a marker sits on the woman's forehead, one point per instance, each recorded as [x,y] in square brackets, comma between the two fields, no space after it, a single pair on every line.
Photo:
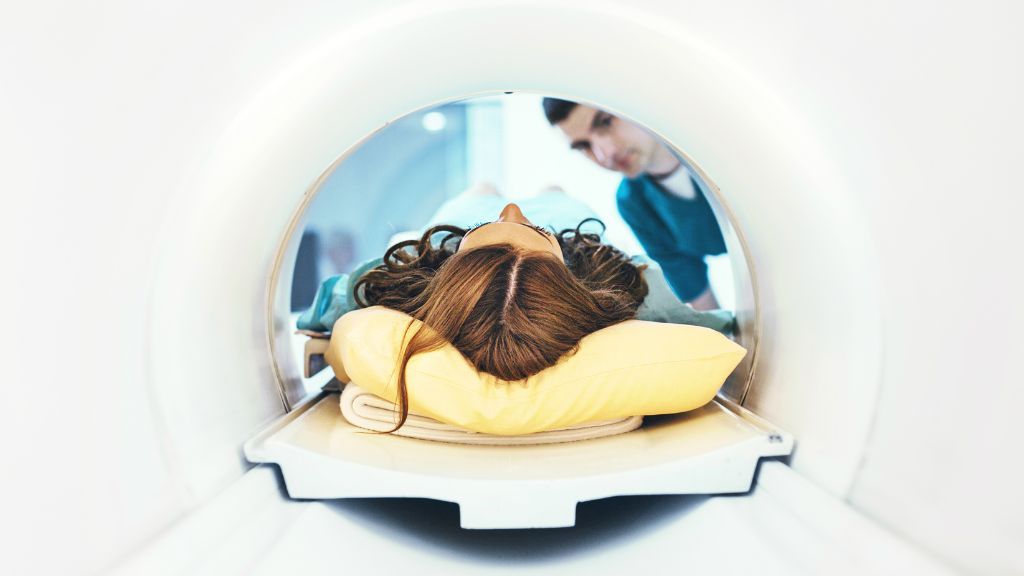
[510,233]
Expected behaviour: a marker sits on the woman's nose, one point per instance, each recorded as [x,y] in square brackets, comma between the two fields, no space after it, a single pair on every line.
[512,213]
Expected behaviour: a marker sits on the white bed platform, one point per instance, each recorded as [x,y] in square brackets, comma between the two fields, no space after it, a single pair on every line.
[712,450]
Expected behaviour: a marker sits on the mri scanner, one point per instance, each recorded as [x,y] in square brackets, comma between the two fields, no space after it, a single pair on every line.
[161,158]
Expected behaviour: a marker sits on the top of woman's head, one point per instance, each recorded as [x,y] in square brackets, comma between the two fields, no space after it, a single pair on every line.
[511,312]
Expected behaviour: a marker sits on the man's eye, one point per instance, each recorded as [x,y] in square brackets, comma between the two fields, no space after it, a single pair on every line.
[605,121]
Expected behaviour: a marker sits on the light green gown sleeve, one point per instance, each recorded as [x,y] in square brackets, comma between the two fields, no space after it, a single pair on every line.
[335,297]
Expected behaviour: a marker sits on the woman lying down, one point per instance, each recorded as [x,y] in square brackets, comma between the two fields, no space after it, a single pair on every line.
[516,333]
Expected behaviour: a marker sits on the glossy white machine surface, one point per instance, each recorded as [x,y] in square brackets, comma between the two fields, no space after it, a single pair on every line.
[712,450]
[154,154]
[785,527]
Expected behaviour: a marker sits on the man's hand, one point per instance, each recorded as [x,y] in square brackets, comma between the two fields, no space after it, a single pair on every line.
[706,300]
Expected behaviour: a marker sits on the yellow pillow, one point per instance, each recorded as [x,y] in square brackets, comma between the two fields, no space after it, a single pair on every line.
[630,369]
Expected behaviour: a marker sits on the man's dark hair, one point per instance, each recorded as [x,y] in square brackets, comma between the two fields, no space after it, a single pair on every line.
[557,110]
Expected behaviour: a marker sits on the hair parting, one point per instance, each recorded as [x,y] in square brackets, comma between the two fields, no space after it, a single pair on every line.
[510,312]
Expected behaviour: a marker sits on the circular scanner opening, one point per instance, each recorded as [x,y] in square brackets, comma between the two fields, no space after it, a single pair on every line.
[457,163]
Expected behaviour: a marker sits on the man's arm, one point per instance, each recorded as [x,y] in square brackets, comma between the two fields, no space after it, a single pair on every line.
[706,300]
[686,272]
[661,304]
[688,277]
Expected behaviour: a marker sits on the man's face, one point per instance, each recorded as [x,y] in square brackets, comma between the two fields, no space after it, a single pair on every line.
[612,142]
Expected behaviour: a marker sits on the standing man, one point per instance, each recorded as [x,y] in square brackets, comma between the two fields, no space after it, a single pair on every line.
[657,198]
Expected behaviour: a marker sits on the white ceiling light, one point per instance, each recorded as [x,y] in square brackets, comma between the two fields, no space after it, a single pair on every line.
[434,121]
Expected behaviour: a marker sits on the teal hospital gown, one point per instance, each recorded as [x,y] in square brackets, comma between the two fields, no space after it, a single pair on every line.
[552,210]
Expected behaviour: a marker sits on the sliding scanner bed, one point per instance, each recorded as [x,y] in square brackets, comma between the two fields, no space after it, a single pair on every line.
[711,450]
[313,352]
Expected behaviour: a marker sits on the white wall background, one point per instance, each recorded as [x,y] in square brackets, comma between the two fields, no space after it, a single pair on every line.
[109,107]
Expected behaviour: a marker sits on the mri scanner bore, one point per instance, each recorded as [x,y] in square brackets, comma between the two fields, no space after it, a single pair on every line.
[516,291]
[516,270]
[461,163]
[453,165]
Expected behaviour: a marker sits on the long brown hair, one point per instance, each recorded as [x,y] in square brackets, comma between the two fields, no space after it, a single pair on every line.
[511,312]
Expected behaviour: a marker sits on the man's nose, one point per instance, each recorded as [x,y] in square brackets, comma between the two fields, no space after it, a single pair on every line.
[604,152]
[512,213]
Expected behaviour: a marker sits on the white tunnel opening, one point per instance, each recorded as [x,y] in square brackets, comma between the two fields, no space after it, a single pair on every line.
[865,159]
[352,213]
[800,223]
[712,450]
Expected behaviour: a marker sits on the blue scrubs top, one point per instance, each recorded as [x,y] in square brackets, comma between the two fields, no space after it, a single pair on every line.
[675,232]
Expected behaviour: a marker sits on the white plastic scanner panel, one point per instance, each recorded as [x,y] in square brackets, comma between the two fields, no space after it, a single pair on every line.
[156,154]
[714,449]
[774,181]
